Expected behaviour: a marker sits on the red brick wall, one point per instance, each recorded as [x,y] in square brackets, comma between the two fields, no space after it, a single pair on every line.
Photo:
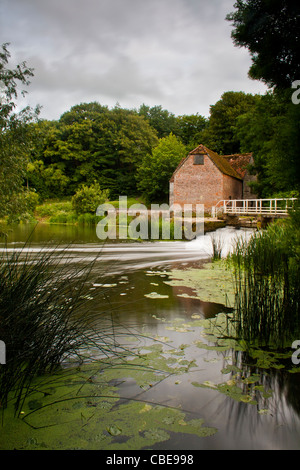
[203,184]
[232,188]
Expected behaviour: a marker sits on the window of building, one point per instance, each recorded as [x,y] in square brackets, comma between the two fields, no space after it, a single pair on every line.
[198,159]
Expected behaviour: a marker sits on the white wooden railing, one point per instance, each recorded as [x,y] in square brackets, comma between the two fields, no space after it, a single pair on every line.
[276,207]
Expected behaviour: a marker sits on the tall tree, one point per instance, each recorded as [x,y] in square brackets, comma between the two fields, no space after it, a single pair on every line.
[163,121]
[271,130]
[156,169]
[189,128]
[220,134]
[14,135]
[270,31]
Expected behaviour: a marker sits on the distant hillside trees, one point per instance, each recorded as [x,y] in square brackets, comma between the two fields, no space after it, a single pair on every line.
[91,142]
[88,143]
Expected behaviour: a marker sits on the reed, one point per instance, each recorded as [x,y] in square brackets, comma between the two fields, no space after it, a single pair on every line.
[217,246]
[267,278]
[44,318]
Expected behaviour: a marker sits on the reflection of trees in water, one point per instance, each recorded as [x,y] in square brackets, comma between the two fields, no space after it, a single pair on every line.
[276,390]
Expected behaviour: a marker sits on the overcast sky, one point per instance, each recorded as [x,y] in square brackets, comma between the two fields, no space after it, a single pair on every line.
[175,53]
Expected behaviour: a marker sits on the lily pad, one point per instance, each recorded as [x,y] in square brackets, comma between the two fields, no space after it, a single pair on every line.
[156,435]
[213,283]
[114,430]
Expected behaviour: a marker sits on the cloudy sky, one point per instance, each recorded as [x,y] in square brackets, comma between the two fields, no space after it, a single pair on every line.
[175,53]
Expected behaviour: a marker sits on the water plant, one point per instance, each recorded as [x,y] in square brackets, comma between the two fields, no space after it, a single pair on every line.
[217,245]
[44,319]
[267,274]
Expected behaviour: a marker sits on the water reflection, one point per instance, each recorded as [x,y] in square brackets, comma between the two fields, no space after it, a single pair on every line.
[122,281]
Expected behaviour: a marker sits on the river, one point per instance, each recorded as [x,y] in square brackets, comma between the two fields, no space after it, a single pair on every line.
[209,398]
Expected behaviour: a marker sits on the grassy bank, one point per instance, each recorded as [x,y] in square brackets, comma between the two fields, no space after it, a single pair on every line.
[55,211]
[155,228]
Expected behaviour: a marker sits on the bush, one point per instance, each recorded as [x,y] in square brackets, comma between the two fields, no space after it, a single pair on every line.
[32,199]
[88,198]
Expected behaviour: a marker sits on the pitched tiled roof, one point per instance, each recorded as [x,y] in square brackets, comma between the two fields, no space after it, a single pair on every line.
[221,163]
[239,162]
[231,165]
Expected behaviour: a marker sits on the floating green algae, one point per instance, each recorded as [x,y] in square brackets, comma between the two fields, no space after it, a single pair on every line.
[214,282]
[85,409]
[229,388]
[90,416]
[81,408]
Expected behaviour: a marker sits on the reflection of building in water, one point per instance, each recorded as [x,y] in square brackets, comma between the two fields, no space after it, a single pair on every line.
[186,297]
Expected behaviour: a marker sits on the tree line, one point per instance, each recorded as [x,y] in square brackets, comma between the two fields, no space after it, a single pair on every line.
[135,151]
[91,142]
[131,152]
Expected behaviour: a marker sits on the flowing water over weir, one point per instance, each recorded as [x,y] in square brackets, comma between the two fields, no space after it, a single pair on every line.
[212,396]
[121,256]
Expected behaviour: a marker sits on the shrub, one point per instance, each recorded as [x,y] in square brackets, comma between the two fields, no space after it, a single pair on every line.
[88,198]
[32,200]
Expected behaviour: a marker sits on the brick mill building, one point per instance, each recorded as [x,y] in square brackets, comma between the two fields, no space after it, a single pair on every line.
[204,177]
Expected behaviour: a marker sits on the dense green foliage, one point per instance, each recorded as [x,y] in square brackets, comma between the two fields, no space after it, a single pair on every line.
[271,129]
[221,133]
[156,169]
[270,31]
[88,143]
[88,198]
[14,136]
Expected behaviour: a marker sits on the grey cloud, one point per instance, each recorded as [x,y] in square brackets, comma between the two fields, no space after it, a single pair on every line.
[177,53]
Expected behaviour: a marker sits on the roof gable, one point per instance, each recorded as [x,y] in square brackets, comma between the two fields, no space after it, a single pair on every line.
[222,164]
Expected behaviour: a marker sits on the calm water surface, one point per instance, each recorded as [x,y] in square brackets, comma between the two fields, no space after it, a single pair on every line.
[131,271]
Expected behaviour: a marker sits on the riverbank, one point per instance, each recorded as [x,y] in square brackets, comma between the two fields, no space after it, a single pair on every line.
[62,212]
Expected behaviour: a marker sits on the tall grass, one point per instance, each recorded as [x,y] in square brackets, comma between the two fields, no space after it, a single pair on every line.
[267,274]
[217,246]
[44,319]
